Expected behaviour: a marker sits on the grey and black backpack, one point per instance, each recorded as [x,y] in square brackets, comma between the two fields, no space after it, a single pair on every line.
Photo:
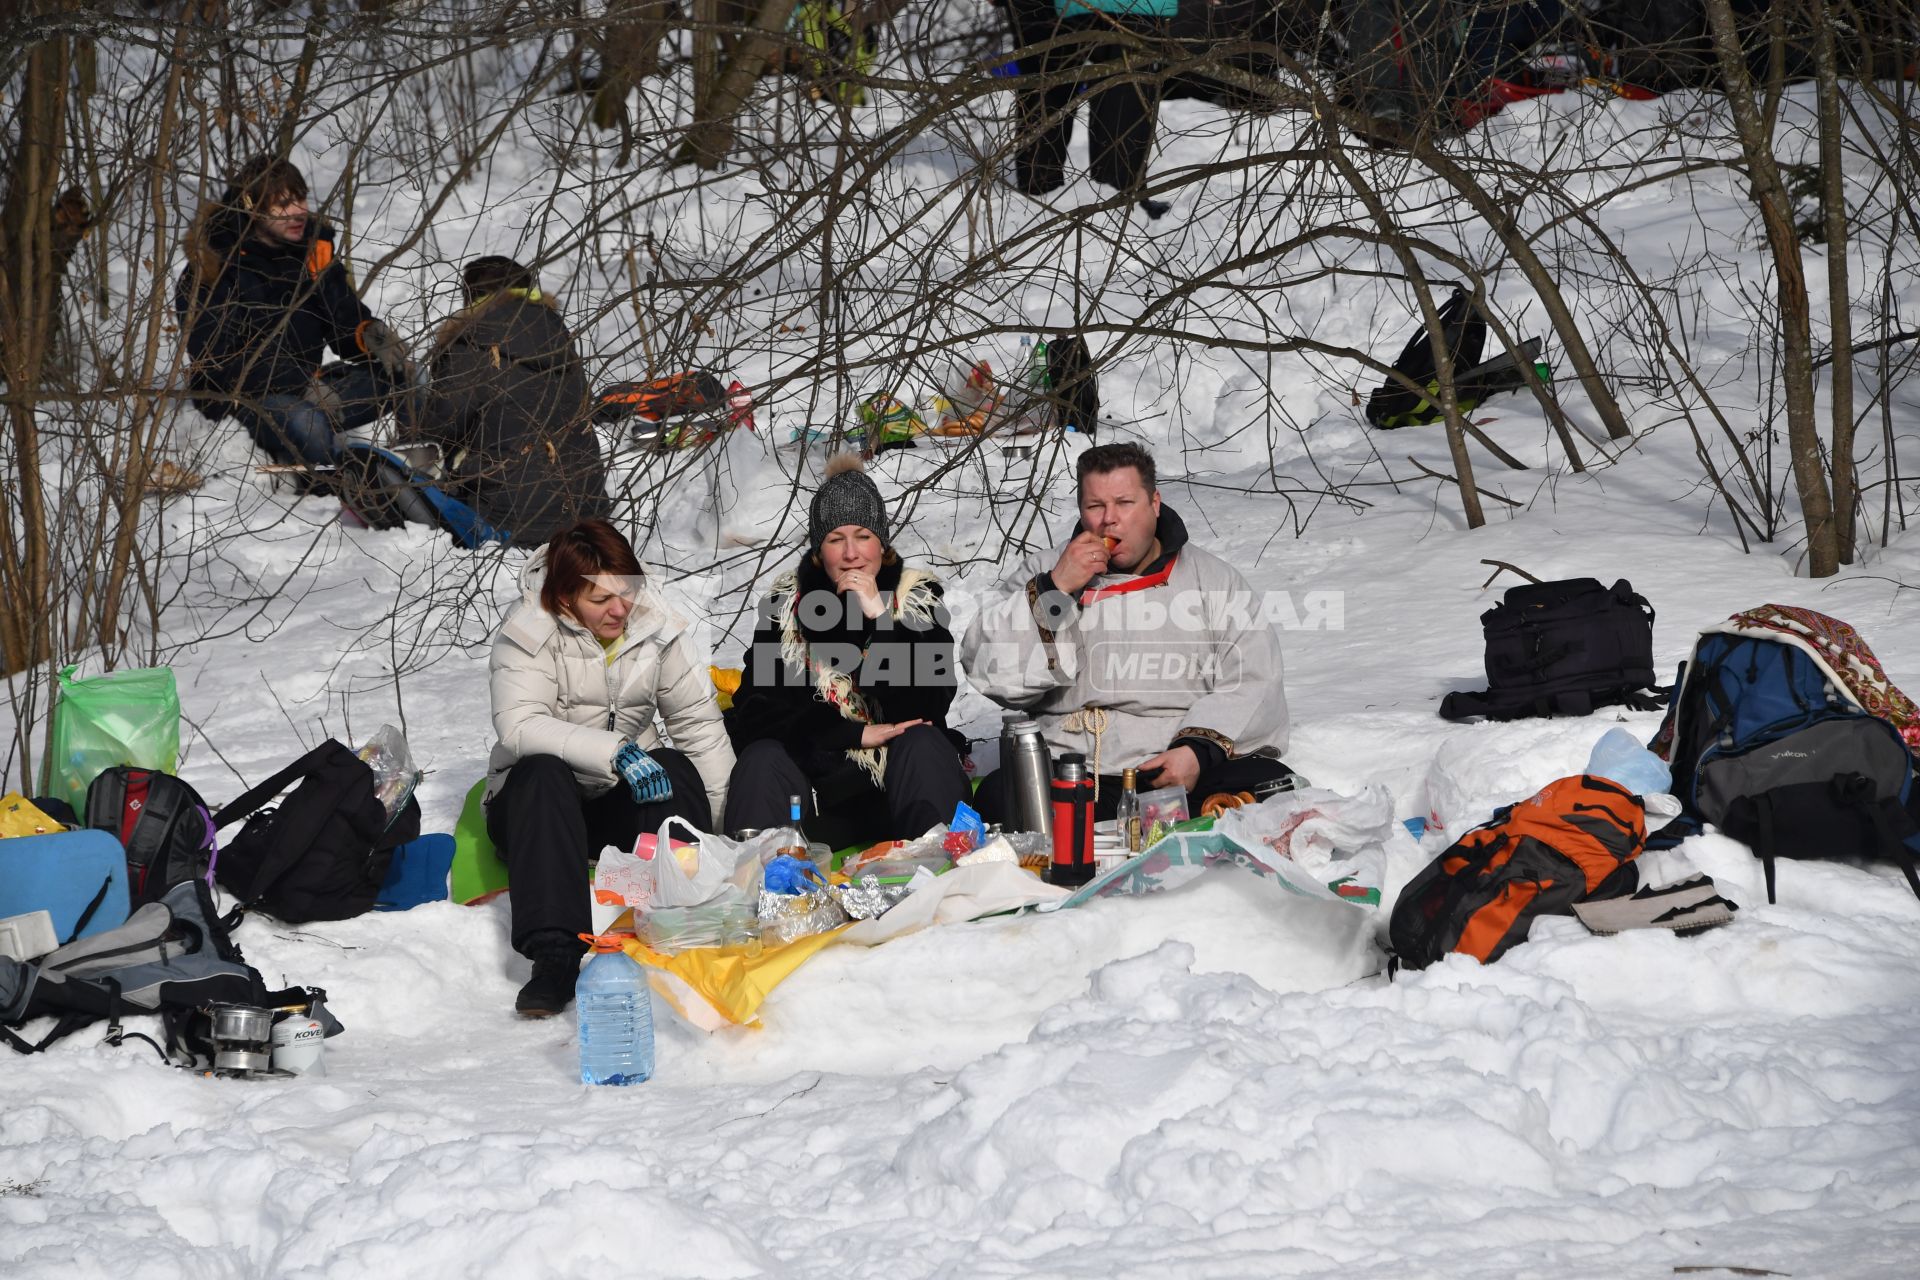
[171,958]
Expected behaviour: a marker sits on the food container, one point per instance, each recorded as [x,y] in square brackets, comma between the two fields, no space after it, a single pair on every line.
[729,921]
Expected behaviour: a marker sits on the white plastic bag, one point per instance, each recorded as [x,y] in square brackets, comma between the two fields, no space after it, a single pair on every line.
[721,863]
[1330,835]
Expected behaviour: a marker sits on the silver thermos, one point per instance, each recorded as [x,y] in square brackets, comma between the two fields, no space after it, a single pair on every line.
[1029,769]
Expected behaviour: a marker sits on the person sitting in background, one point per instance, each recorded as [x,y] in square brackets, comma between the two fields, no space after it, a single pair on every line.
[1134,647]
[580,669]
[262,297]
[845,688]
[507,406]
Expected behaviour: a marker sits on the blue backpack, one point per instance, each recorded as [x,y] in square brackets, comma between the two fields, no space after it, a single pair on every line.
[1766,745]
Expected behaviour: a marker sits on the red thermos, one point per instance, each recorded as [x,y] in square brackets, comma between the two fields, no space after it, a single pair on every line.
[1072,792]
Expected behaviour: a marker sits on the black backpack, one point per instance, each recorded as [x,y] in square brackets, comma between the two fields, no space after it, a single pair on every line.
[1073,387]
[172,957]
[1464,331]
[160,821]
[1563,648]
[323,853]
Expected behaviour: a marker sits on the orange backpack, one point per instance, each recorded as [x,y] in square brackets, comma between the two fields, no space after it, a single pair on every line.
[1535,858]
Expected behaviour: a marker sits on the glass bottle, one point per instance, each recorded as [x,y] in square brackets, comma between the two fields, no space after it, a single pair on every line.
[1127,815]
[794,840]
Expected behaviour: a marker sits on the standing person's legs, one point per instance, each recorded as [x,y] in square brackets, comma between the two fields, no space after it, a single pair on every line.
[1120,122]
[1040,163]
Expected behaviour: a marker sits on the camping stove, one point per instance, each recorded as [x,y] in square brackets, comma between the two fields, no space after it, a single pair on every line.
[242,1038]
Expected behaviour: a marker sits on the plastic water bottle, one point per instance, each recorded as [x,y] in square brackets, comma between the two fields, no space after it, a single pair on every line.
[616,1018]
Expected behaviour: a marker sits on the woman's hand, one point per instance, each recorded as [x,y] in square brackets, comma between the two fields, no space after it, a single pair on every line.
[878,735]
[864,589]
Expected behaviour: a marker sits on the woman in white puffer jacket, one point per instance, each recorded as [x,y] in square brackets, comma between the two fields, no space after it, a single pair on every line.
[580,670]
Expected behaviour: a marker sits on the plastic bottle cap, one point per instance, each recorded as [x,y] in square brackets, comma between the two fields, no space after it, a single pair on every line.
[603,943]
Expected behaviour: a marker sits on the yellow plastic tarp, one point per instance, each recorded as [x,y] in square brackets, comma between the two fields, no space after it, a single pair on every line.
[712,987]
[19,817]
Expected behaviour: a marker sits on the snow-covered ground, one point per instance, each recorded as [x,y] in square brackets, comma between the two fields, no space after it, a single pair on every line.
[1199,1083]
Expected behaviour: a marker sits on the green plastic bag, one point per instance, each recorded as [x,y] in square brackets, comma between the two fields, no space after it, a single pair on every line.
[124,717]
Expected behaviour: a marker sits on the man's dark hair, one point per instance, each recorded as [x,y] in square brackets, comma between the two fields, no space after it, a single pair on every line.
[486,276]
[266,181]
[1102,458]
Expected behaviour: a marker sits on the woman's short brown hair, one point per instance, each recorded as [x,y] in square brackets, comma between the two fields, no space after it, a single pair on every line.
[575,556]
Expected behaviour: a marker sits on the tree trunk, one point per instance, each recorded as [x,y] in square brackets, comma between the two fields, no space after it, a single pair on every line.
[1429,316]
[27,254]
[1833,205]
[1769,196]
[27,304]
[630,52]
[711,136]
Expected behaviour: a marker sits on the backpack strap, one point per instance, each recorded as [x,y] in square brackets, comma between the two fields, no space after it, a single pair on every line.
[92,907]
[255,797]
[283,854]
[147,842]
[1761,809]
[66,1026]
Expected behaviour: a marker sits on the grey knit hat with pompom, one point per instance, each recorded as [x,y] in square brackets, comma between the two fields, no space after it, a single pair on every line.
[847,496]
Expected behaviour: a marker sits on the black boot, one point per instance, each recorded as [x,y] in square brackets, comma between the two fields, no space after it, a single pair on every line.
[556,967]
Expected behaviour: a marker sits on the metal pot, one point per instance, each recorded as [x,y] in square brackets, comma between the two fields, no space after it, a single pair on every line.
[241,1024]
[744,834]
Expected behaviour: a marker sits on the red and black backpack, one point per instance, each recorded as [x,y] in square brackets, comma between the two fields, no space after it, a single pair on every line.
[160,821]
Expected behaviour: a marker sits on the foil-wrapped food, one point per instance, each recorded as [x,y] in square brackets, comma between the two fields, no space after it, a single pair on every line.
[788,917]
[866,897]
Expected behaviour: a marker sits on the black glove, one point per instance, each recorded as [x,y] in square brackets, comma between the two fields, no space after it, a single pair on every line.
[383,345]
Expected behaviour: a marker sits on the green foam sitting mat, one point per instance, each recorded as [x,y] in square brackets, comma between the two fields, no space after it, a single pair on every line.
[478,873]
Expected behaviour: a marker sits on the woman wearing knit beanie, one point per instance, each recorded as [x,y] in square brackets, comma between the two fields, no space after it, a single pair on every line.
[846,686]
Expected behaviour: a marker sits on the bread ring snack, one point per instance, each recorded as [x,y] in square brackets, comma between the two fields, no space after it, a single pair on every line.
[1221,801]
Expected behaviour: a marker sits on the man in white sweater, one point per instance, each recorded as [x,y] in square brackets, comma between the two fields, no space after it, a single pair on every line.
[1134,647]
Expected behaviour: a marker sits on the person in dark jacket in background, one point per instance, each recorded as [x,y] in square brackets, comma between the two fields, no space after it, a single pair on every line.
[508,407]
[262,298]
[844,696]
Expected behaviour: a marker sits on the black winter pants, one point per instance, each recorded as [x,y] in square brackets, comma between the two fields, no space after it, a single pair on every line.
[1120,116]
[547,832]
[924,781]
[1244,774]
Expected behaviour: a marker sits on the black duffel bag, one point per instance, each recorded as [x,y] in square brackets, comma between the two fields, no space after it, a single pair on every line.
[323,852]
[1562,649]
